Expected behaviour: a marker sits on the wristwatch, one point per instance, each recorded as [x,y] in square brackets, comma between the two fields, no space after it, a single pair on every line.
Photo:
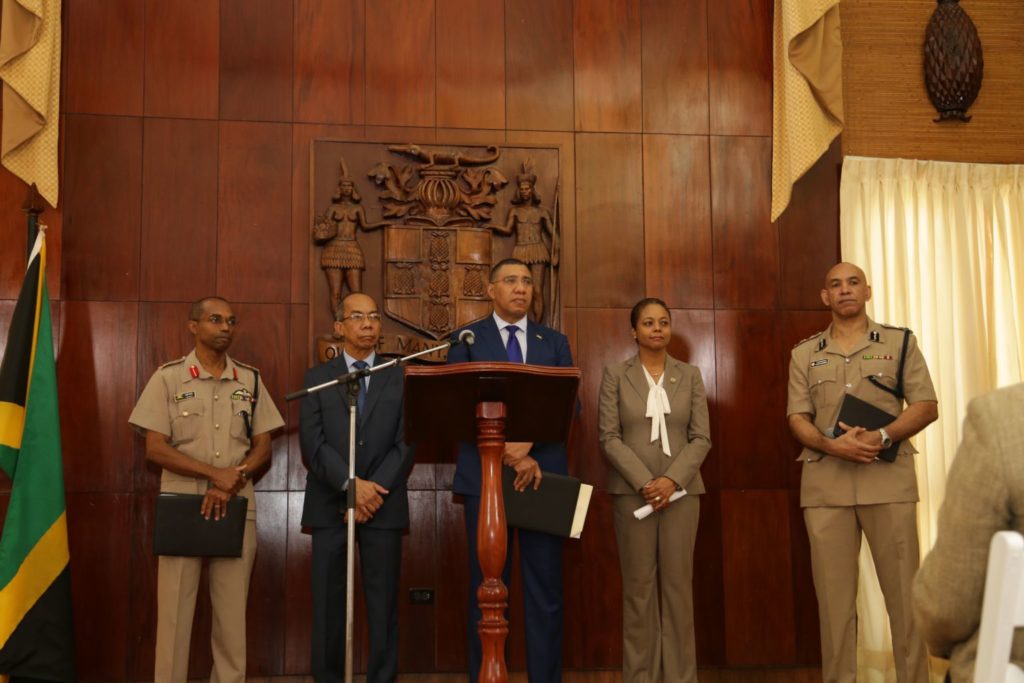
[886,439]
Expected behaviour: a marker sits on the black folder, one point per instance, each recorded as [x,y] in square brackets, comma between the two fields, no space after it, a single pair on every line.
[558,507]
[179,528]
[858,413]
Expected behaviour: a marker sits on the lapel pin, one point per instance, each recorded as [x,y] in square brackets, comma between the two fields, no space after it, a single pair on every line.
[672,379]
[539,337]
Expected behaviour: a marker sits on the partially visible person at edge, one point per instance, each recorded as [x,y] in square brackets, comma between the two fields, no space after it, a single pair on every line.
[654,430]
[845,490]
[207,420]
[509,335]
[984,494]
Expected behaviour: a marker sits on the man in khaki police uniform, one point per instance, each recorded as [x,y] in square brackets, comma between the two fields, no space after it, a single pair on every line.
[844,489]
[197,416]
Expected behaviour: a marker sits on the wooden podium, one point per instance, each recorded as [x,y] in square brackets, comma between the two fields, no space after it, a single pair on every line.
[491,403]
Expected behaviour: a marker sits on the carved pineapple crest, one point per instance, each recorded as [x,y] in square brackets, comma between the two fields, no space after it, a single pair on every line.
[953,63]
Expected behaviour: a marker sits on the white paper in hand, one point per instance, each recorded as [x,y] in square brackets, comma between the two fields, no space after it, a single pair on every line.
[646,510]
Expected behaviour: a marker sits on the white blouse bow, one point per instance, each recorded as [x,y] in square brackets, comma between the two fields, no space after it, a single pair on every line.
[657,409]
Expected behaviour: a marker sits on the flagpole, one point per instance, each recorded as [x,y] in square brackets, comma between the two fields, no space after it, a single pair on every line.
[33,207]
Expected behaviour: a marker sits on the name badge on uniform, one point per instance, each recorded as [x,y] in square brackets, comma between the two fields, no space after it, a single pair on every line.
[242,394]
[186,395]
[820,361]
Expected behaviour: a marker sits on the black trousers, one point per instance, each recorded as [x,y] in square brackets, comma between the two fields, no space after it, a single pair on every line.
[380,559]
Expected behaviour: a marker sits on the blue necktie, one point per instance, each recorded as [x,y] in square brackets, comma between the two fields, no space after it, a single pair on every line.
[515,351]
[361,397]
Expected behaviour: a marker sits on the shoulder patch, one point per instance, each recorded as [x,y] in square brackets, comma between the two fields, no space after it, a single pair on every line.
[173,362]
[894,327]
[244,365]
[804,341]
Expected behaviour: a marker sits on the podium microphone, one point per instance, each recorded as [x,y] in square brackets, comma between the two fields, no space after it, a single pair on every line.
[465,337]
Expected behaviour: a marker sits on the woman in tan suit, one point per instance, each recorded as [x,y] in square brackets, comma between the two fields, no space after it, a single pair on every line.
[653,419]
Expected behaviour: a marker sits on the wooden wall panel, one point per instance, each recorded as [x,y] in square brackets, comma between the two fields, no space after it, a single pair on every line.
[709,581]
[418,623]
[104,46]
[451,560]
[746,244]
[677,220]
[254,212]
[675,66]
[141,587]
[805,602]
[606,36]
[99,574]
[95,365]
[609,220]
[299,350]
[262,340]
[693,341]
[330,61]
[758,578]
[539,64]
[14,237]
[888,113]
[740,67]
[298,597]
[179,210]
[807,248]
[182,74]
[752,435]
[102,206]
[266,610]
[256,60]
[471,63]
[400,63]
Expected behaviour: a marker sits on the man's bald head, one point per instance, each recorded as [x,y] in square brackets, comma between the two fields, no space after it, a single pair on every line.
[844,269]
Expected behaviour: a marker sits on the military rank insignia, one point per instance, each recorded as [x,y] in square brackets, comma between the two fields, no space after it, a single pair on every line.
[242,394]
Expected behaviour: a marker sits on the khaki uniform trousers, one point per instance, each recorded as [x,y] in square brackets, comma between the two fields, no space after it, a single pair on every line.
[177,586]
[835,534]
[657,553]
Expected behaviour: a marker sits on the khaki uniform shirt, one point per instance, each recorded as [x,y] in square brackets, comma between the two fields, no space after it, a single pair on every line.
[820,373]
[202,415]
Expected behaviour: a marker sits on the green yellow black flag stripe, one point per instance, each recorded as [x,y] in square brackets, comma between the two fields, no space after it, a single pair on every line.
[36,636]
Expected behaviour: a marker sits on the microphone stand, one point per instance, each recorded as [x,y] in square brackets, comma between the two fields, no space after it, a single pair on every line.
[353,379]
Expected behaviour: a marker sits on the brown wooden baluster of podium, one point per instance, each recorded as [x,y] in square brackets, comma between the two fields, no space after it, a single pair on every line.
[491,543]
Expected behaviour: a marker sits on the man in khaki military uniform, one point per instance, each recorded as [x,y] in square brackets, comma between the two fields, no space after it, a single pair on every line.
[197,415]
[845,490]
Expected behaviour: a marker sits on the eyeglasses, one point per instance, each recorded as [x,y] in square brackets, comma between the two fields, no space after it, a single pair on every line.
[513,280]
[217,319]
[359,317]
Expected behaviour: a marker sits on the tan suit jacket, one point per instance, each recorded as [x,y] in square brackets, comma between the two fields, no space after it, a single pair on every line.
[984,494]
[625,431]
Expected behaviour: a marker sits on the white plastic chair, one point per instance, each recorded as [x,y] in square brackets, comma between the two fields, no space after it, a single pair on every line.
[1002,610]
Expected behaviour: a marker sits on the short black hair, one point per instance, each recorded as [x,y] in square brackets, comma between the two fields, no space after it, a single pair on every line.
[634,315]
[196,311]
[506,262]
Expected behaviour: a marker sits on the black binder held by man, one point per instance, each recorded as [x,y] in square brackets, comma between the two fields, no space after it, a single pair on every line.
[856,412]
[180,529]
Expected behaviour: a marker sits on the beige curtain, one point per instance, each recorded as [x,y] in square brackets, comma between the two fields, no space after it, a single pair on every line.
[943,247]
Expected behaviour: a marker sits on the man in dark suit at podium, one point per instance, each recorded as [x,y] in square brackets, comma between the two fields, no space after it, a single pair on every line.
[383,462]
[508,335]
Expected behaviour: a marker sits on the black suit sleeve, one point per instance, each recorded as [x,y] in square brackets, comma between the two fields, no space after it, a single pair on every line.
[563,355]
[458,354]
[323,460]
[397,464]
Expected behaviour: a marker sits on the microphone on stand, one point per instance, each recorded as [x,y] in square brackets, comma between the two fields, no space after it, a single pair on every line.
[465,337]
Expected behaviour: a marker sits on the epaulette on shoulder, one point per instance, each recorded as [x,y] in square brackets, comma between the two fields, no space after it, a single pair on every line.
[804,341]
[896,327]
[173,362]
[245,365]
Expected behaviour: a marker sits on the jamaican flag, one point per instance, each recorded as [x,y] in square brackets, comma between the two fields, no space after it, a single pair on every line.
[36,638]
